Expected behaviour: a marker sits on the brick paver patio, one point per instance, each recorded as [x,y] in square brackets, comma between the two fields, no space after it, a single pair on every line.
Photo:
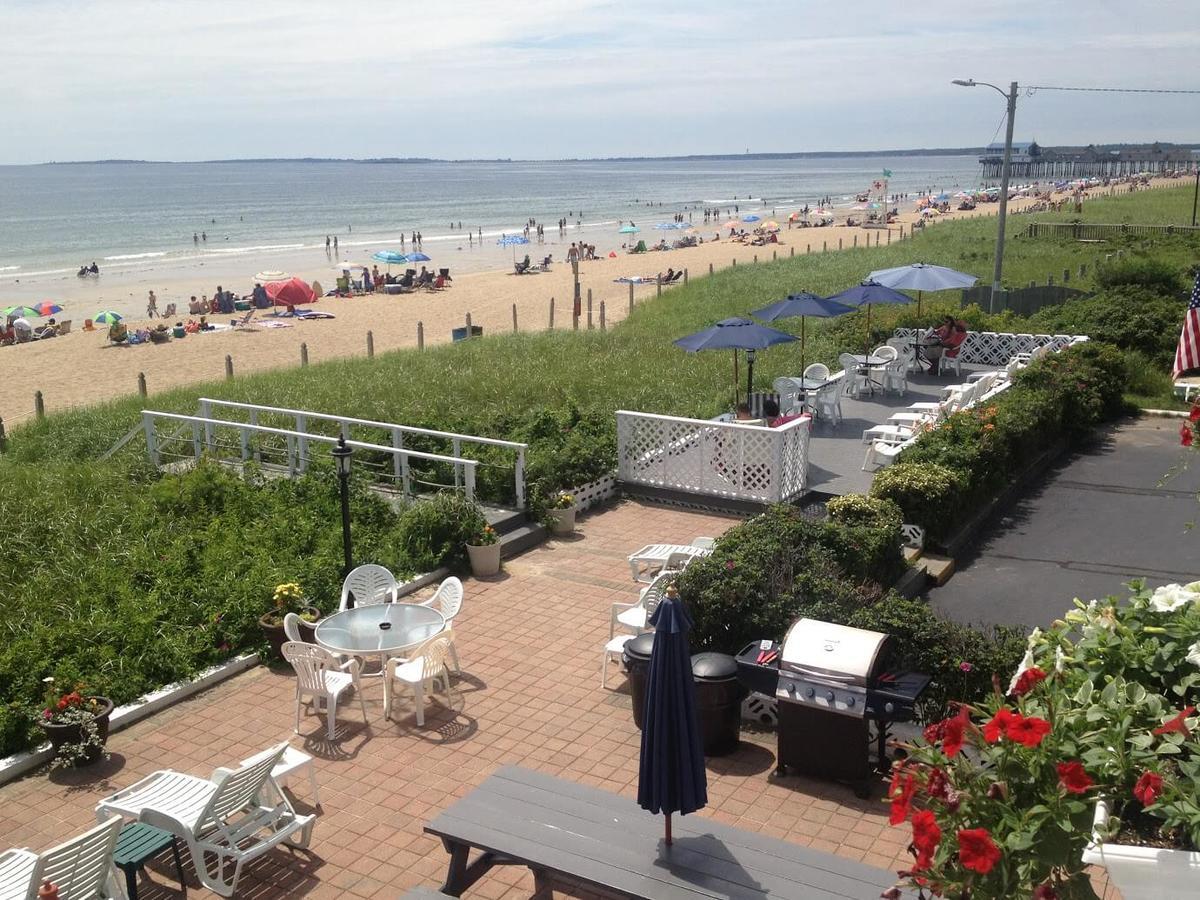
[530,644]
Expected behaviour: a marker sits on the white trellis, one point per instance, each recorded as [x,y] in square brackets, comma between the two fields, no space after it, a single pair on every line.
[996,348]
[721,459]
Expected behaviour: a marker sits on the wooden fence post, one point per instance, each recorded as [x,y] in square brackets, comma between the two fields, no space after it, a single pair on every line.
[370,345]
[551,313]
[658,289]
[685,276]
[142,383]
[734,263]
[756,259]
[889,237]
[228,366]
[468,326]
[39,405]
[603,327]
[304,354]
[710,271]
[589,309]
[855,241]
[774,255]
[420,335]
[3,437]
[631,296]
[792,251]
[877,238]
[514,318]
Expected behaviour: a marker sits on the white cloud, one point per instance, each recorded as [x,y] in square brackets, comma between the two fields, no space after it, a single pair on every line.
[547,78]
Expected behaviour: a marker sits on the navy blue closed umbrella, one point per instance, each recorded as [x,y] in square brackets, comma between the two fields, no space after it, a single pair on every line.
[671,775]
[803,305]
[735,334]
[868,294]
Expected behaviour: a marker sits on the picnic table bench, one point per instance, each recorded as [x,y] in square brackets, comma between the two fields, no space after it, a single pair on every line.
[611,845]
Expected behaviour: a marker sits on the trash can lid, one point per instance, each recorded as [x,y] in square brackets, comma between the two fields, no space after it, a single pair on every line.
[640,647]
[714,667]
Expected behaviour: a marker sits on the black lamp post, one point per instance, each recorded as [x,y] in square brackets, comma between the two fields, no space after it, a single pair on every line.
[341,458]
[750,354]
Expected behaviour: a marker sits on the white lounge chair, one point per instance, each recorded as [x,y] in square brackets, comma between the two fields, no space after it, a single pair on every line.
[18,871]
[426,664]
[82,868]
[368,585]
[320,676]
[223,817]
[883,452]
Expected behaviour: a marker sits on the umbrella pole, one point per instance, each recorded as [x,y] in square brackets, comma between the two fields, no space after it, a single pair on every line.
[918,304]
[867,345]
[802,346]
[735,379]
[668,830]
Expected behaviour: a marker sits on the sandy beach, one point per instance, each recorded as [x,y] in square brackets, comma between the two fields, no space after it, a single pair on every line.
[82,368]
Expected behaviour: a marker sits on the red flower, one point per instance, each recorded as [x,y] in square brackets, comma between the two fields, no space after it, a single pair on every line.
[1028,680]
[1028,731]
[1177,724]
[926,837]
[977,851]
[1073,778]
[1194,415]
[949,732]
[937,785]
[998,725]
[1148,788]
[1185,435]
[1045,891]
[904,785]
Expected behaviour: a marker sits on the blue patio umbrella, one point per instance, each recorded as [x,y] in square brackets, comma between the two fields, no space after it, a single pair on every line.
[671,776]
[922,277]
[390,256]
[736,334]
[512,240]
[868,294]
[628,229]
[803,305]
[416,257]
[750,218]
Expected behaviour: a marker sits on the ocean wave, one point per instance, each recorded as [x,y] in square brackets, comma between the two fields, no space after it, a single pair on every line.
[231,251]
[735,200]
[135,256]
[31,274]
[8,268]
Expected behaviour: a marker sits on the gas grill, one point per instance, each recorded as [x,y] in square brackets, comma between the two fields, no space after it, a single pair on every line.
[835,682]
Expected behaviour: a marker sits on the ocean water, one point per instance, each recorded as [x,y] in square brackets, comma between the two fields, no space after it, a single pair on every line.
[132,216]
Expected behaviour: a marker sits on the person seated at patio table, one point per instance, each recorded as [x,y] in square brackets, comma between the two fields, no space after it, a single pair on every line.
[741,412]
[772,415]
[947,336]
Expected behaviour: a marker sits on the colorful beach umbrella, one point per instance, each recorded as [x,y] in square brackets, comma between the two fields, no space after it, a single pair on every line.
[270,275]
[22,312]
[671,774]
[47,308]
[802,305]
[107,317]
[292,292]
[750,218]
[388,256]
[736,334]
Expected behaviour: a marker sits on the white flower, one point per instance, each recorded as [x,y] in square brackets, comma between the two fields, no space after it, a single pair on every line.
[1026,663]
[49,679]
[1035,638]
[1170,597]
[1060,659]
[1193,654]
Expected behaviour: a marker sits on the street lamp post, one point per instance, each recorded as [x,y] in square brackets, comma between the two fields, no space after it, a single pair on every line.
[341,458]
[1011,97]
[750,354]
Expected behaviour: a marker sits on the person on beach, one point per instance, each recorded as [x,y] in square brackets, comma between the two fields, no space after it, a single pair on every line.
[259,297]
[573,253]
[335,244]
[204,237]
[195,238]
[327,243]
[152,306]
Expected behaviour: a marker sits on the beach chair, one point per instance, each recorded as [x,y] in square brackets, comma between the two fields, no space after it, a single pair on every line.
[639,248]
[82,868]
[223,819]
[243,321]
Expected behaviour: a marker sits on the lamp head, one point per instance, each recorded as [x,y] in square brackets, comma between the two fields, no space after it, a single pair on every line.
[964,82]
[341,456]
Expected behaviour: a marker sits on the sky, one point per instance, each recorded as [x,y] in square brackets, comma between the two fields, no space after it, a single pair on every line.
[541,79]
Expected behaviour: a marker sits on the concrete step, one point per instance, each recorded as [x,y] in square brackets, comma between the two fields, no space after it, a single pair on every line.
[911,554]
[521,538]
[938,568]
[505,520]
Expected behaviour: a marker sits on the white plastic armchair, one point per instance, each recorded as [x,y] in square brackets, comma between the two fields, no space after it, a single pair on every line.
[827,402]
[448,600]
[635,617]
[82,868]
[854,379]
[426,664]
[223,819]
[791,395]
[895,376]
[817,372]
[18,870]
[320,676]
[369,584]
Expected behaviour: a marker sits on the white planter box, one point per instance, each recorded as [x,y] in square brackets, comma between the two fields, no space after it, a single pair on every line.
[1145,873]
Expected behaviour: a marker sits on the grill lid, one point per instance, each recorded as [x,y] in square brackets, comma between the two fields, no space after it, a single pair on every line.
[826,649]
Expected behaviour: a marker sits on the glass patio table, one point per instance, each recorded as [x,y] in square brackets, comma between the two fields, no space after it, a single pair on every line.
[380,630]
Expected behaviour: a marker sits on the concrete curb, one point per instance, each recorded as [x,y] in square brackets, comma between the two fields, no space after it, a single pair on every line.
[19,764]
[1165,413]
[421,581]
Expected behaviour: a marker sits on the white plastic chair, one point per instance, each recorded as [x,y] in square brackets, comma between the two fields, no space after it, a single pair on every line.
[907,350]
[854,379]
[948,361]
[817,372]
[18,870]
[319,676]
[636,616]
[704,543]
[613,650]
[82,867]
[291,628]
[426,664]
[827,402]
[223,817]
[790,394]
[368,585]
[895,376]
[448,600]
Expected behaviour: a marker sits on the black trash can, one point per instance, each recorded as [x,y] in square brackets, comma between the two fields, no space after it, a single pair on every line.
[636,657]
[719,696]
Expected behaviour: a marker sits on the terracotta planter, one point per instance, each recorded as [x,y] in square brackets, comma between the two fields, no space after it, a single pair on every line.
[72,734]
[562,521]
[1145,873]
[276,636]
[485,560]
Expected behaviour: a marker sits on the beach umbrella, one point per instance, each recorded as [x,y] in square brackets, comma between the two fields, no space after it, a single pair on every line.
[750,218]
[22,312]
[803,305]
[735,334]
[351,266]
[107,317]
[671,775]
[389,256]
[868,294]
[921,277]
[271,275]
[772,225]
[47,308]
[417,257]
[292,292]
[512,240]
[628,229]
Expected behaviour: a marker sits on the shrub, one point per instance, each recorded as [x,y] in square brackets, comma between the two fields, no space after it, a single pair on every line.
[859,509]
[1132,317]
[1139,271]
[928,494]
[434,532]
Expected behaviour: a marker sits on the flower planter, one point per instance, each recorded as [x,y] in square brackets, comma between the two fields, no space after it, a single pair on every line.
[562,521]
[1145,873]
[485,559]
[72,734]
[276,636]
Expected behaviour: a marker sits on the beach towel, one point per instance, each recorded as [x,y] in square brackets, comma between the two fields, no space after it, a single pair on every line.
[314,314]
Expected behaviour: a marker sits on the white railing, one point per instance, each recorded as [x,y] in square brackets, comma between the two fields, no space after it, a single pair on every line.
[720,459]
[298,438]
[996,348]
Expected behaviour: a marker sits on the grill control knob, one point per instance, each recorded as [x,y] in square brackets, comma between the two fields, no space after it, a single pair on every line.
[810,693]
[791,689]
[829,696]
[889,707]
[850,702]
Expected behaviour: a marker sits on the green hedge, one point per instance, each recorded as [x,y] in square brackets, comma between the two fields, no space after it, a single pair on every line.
[781,565]
[951,472]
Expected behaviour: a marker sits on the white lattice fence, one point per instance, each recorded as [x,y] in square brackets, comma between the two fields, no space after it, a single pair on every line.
[724,459]
[996,348]
[595,492]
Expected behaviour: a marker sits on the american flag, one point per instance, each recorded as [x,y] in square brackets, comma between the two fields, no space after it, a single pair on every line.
[1187,354]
